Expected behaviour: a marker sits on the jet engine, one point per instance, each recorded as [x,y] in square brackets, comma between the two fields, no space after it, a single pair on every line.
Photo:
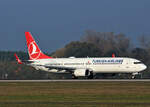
[81,72]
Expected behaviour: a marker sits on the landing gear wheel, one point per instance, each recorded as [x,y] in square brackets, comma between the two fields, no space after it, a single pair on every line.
[133,77]
[74,77]
[91,76]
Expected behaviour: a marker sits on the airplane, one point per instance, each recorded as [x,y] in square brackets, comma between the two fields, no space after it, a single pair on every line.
[79,67]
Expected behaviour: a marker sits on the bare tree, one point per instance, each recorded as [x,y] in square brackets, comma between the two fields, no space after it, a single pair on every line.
[144,41]
[59,53]
[107,41]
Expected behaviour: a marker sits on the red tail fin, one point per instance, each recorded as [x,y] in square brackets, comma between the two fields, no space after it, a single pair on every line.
[33,49]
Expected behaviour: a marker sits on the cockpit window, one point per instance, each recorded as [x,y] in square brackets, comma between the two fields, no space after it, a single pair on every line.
[137,62]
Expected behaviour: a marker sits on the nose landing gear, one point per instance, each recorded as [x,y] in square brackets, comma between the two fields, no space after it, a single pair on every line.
[134,75]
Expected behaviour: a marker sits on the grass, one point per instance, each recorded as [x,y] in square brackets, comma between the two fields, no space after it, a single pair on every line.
[75,94]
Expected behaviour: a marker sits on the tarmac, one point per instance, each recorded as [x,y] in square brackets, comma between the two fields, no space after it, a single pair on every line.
[81,80]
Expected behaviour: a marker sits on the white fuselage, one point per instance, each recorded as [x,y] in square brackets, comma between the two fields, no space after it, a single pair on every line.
[96,65]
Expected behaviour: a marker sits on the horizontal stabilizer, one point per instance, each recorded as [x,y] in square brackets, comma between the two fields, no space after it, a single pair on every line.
[17,59]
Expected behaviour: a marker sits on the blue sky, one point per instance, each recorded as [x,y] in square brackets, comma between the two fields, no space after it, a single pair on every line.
[54,23]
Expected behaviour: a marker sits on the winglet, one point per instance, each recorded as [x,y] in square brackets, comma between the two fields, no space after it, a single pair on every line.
[113,55]
[17,59]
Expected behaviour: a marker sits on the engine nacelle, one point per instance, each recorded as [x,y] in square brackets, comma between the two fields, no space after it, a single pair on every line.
[81,72]
[41,68]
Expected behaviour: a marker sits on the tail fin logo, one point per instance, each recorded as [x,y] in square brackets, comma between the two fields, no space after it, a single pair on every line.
[34,51]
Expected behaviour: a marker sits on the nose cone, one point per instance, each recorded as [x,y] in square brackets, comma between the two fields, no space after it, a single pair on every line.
[143,67]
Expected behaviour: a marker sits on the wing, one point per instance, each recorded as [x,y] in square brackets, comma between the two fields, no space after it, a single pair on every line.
[60,68]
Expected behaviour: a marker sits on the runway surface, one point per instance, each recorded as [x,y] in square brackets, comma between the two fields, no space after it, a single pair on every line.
[78,80]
